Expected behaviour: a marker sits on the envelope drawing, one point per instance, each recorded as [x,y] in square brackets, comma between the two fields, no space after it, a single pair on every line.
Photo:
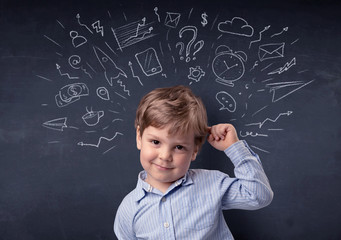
[172,19]
[269,51]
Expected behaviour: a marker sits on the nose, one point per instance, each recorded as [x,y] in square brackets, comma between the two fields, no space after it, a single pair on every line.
[165,154]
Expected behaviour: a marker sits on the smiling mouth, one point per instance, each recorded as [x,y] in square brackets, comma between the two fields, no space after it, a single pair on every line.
[162,168]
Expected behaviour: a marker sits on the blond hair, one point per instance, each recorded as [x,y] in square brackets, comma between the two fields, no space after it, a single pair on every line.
[176,107]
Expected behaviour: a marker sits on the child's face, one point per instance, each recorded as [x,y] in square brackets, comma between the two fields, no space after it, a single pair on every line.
[166,158]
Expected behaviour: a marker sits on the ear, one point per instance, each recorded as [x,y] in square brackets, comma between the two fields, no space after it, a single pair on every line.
[138,138]
[195,153]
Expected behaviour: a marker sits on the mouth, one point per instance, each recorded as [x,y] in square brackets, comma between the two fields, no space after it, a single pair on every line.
[162,168]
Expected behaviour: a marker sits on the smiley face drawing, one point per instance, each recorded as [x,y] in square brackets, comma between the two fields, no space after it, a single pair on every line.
[228,66]
[227,101]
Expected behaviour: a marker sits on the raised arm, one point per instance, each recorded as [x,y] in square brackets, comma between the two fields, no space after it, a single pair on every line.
[250,189]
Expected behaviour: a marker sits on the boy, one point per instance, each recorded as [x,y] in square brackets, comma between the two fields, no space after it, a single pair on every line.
[172,201]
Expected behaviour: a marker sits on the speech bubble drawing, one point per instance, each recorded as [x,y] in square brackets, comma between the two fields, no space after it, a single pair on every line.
[227,101]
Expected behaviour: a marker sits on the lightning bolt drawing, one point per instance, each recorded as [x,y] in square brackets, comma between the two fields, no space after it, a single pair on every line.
[285,67]
[97,26]
[123,86]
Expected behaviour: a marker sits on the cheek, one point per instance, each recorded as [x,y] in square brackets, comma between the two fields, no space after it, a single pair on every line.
[185,161]
[147,154]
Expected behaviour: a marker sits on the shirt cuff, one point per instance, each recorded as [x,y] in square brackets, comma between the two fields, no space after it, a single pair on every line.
[239,151]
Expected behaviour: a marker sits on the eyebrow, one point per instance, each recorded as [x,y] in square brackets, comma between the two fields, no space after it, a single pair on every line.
[150,135]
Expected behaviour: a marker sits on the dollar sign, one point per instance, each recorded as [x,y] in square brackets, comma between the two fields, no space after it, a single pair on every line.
[204,20]
[73,91]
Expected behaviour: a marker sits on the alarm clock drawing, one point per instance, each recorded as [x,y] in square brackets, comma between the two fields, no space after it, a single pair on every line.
[228,66]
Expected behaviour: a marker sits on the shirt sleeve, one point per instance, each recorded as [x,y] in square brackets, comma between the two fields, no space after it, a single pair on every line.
[123,224]
[250,189]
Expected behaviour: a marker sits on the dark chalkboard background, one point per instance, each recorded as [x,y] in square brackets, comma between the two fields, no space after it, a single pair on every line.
[62,177]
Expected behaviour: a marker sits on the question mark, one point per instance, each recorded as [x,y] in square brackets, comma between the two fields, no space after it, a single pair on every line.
[201,44]
[190,43]
[181,44]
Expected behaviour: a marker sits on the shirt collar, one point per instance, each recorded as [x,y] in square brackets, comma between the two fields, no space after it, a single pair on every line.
[185,180]
[143,188]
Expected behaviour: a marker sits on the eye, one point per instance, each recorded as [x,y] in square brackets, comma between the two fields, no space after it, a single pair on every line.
[155,142]
[179,147]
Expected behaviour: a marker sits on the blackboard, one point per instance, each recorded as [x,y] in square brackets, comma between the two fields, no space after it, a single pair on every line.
[72,74]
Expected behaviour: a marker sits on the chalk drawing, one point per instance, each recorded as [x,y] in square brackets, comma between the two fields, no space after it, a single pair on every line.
[286,67]
[111,71]
[64,74]
[77,40]
[260,124]
[184,37]
[283,30]
[91,118]
[75,62]
[133,73]
[45,78]
[82,24]
[271,51]
[251,134]
[97,145]
[98,27]
[200,43]
[204,17]
[103,93]
[260,36]
[56,124]
[71,93]
[227,101]
[260,149]
[195,74]
[172,19]
[228,66]
[281,90]
[156,13]
[237,26]
[60,24]
[133,33]
[53,41]
[149,62]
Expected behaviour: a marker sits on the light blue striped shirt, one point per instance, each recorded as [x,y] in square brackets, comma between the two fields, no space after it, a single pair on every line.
[192,207]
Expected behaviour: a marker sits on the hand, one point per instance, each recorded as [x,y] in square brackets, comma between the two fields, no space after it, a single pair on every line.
[222,136]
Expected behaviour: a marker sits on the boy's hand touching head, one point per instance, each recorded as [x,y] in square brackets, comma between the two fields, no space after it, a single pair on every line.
[222,136]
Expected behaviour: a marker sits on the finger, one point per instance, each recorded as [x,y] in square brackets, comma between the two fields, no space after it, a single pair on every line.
[221,131]
[230,128]
[210,138]
[215,133]
[211,135]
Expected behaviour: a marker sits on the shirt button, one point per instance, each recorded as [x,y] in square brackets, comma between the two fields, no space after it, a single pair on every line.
[166,225]
[163,199]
